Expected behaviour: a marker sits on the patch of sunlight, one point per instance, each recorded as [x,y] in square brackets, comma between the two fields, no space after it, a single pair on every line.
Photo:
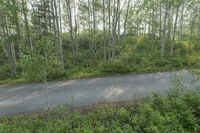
[163,80]
[94,80]
[15,89]
[159,75]
[187,45]
[66,83]
[14,101]
[114,91]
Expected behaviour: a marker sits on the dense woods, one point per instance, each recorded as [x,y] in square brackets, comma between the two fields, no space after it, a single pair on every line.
[42,39]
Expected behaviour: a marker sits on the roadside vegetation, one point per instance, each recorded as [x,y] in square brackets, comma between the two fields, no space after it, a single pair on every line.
[176,111]
[136,55]
[43,40]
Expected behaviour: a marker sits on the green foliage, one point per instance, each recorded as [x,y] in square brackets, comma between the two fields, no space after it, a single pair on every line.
[114,68]
[42,61]
[169,113]
[4,71]
[133,54]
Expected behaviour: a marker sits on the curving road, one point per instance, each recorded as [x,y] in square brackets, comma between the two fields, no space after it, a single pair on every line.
[31,97]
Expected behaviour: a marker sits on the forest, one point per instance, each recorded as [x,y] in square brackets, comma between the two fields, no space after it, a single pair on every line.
[120,48]
[69,39]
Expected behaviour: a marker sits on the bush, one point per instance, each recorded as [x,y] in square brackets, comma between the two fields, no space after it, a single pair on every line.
[133,54]
[114,68]
[4,72]
[175,112]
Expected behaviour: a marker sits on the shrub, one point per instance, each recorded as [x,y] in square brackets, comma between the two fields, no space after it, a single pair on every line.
[169,113]
[4,72]
[115,68]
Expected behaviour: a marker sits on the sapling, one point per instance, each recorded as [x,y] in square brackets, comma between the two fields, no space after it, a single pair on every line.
[41,63]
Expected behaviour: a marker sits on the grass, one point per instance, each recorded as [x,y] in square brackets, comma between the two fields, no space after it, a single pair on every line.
[85,74]
[177,111]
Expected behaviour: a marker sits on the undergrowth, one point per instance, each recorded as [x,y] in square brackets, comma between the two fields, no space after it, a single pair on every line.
[177,111]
